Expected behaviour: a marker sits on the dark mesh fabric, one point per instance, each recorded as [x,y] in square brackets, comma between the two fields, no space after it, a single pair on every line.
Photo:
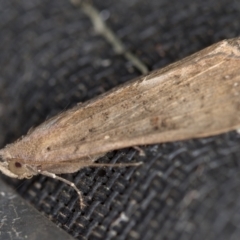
[51,58]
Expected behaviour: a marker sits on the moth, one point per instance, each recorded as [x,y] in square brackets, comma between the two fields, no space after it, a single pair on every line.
[196,97]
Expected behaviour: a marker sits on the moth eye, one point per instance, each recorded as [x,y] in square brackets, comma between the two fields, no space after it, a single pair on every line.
[18,164]
[48,148]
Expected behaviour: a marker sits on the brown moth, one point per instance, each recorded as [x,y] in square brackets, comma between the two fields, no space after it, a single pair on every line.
[195,97]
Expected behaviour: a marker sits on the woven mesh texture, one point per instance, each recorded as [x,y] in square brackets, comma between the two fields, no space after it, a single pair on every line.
[51,58]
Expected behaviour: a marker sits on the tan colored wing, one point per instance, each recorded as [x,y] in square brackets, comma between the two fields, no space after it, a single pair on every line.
[196,97]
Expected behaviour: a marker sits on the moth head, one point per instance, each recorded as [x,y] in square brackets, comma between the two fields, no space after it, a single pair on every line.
[16,169]
[20,169]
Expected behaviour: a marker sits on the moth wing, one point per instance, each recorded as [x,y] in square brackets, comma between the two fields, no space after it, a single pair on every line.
[195,97]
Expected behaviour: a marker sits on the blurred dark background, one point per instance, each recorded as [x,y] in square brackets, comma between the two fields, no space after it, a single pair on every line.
[52,58]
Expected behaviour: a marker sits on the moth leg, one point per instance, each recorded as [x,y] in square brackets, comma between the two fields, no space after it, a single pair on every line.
[71,184]
[140,150]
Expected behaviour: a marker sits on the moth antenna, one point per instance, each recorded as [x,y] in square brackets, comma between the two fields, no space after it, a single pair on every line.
[113,164]
[71,184]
